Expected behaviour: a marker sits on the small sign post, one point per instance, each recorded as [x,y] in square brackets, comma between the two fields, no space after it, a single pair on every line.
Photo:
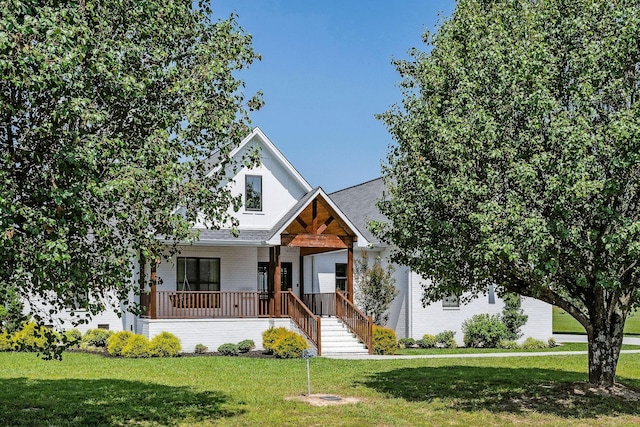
[306,354]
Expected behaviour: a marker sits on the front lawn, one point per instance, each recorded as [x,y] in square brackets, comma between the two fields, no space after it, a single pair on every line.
[86,389]
[564,323]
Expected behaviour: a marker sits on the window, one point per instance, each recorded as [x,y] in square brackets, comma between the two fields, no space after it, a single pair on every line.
[452,301]
[263,277]
[198,274]
[253,193]
[341,277]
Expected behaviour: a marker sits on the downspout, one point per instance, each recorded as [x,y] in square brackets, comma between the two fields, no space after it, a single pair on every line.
[409,305]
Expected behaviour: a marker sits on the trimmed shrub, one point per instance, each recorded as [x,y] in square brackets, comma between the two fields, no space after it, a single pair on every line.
[532,343]
[228,349]
[165,344]
[201,348]
[427,341]
[271,335]
[96,337]
[406,342]
[509,344]
[6,342]
[137,346]
[384,340]
[30,337]
[483,330]
[246,345]
[117,341]
[73,337]
[290,346]
[446,339]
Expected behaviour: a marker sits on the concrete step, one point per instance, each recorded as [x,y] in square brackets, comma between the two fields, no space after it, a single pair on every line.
[337,339]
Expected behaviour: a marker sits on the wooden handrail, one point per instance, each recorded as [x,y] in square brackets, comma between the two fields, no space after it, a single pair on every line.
[308,323]
[358,322]
[209,304]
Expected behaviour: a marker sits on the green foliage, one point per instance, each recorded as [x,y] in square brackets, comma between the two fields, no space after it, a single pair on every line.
[516,160]
[290,346]
[72,337]
[96,337]
[551,342]
[427,341]
[11,309]
[271,335]
[201,348]
[6,342]
[446,339]
[31,337]
[165,344]
[246,345]
[406,342]
[532,343]
[508,345]
[110,112]
[513,316]
[374,289]
[483,330]
[228,349]
[384,340]
[117,341]
[137,346]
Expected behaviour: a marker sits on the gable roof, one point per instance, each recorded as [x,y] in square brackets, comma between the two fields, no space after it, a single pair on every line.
[359,204]
[277,155]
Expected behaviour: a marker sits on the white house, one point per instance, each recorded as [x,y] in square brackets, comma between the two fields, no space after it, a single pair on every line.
[295,247]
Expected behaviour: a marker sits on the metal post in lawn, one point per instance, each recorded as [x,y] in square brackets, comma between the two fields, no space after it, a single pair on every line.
[306,354]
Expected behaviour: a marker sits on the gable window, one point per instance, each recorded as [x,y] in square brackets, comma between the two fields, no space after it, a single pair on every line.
[198,274]
[341,277]
[253,192]
[452,301]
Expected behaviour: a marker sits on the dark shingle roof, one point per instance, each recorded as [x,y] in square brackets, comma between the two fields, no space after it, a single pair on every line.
[359,204]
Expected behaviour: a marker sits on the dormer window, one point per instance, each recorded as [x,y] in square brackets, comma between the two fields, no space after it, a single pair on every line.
[253,192]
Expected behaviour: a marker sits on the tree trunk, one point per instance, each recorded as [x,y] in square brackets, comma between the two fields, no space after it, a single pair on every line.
[605,341]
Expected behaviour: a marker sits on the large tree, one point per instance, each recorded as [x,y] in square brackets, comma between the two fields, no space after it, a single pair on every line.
[110,112]
[517,160]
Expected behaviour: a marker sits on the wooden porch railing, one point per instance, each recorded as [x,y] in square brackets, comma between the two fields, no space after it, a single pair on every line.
[308,323]
[359,323]
[203,304]
[321,304]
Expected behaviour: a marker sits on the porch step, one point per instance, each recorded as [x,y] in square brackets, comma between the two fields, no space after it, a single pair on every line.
[337,339]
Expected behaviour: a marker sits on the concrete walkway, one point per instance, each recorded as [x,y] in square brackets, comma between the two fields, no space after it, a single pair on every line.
[559,338]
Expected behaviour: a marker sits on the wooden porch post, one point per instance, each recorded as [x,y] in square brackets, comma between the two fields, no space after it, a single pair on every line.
[350,271]
[275,260]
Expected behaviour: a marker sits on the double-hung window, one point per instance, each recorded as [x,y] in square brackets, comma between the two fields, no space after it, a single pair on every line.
[198,274]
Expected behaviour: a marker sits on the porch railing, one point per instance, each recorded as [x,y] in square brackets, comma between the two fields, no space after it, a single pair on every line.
[308,323]
[358,322]
[192,305]
[321,304]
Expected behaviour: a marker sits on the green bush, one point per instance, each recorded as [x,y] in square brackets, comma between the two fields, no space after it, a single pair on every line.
[446,339]
[6,342]
[552,343]
[30,337]
[384,340]
[246,345]
[117,341]
[532,343]
[427,341]
[137,346]
[165,344]
[406,342]
[96,337]
[201,348]
[290,346]
[228,349]
[483,330]
[72,337]
[271,335]
[509,344]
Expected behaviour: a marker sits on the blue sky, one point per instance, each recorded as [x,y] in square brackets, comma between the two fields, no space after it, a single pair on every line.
[325,72]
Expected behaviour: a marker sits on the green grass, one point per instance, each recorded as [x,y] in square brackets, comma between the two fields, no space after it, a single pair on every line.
[86,389]
[564,323]
[571,346]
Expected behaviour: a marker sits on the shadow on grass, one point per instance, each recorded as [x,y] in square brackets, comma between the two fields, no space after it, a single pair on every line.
[513,390]
[105,402]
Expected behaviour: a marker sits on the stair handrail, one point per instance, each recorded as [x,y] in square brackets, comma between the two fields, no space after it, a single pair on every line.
[358,322]
[308,322]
